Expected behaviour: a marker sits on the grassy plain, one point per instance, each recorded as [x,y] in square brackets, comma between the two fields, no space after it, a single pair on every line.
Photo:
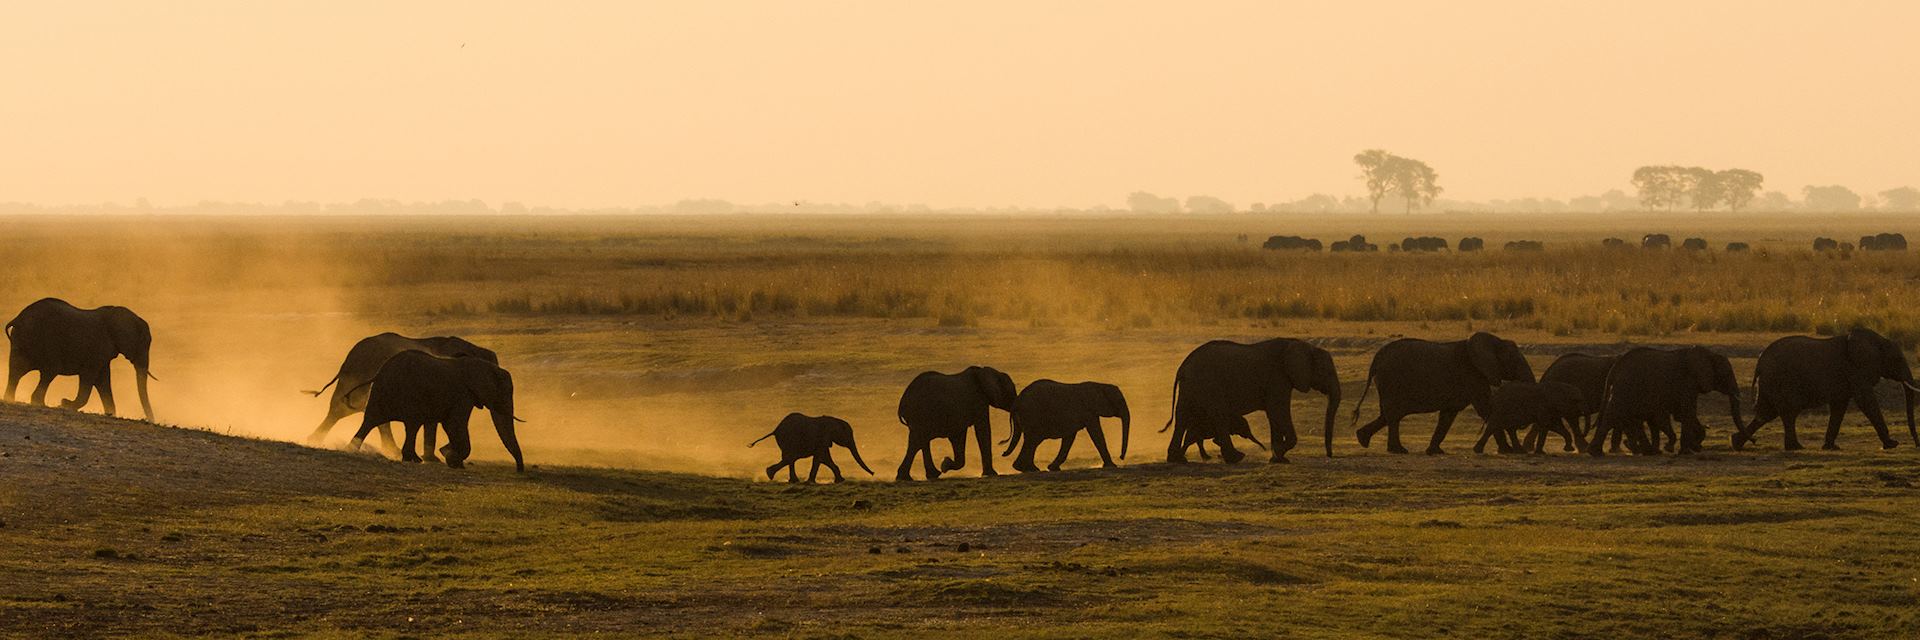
[649,351]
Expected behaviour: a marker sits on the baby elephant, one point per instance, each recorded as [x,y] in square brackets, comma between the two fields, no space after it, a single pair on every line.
[1545,406]
[1046,410]
[804,436]
[1236,426]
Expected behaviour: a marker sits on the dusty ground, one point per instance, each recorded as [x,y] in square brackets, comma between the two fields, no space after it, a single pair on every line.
[115,527]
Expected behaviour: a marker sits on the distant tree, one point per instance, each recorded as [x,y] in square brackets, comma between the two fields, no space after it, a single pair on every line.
[1830,198]
[1257,207]
[1704,190]
[1737,186]
[1661,187]
[1375,170]
[1773,201]
[1143,202]
[1207,204]
[1414,182]
[1900,199]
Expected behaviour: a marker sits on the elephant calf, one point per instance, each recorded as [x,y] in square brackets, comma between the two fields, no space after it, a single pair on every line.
[1048,410]
[1544,406]
[1236,426]
[804,436]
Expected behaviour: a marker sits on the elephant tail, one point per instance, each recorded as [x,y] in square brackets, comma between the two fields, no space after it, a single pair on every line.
[1175,404]
[1013,435]
[769,435]
[1363,399]
[323,388]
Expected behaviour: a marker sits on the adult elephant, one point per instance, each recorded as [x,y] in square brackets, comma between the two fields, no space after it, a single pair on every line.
[1797,373]
[1648,389]
[946,405]
[363,362]
[1588,373]
[56,338]
[422,390]
[1049,410]
[1420,376]
[1221,379]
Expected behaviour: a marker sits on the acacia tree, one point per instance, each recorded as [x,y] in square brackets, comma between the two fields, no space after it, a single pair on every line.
[1704,190]
[1738,186]
[1385,173]
[1374,169]
[1660,187]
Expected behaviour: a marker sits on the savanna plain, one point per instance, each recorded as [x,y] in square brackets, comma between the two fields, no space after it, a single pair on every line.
[648,351]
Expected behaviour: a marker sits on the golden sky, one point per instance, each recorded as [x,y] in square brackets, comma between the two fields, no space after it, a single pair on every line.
[1032,103]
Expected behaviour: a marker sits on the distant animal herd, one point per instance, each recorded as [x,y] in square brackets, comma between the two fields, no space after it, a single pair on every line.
[1591,402]
[1429,244]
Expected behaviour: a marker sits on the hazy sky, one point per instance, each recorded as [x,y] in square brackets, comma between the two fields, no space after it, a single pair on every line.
[951,104]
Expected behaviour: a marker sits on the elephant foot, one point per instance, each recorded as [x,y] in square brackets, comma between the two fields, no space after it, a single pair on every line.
[1026,468]
[409,457]
[949,465]
[1394,448]
[989,473]
[1792,445]
[1174,457]
[1364,435]
[1053,467]
[1204,456]
[1109,465]
[1232,457]
[1737,441]
[1829,446]
[1888,444]
[1435,451]
[454,464]
[1277,459]
[1478,448]
[897,477]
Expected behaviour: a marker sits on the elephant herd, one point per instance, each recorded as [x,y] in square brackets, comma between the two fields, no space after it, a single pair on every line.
[1593,403]
[1657,241]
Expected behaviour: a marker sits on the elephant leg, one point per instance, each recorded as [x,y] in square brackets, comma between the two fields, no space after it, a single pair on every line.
[1836,414]
[793,470]
[958,460]
[1692,433]
[1440,431]
[1024,463]
[386,438]
[1486,433]
[1099,439]
[775,467]
[1790,439]
[17,368]
[983,436]
[428,452]
[335,413]
[40,388]
[1177,444]
[459,440]
[1066,447]
[406,452]
[926,459]
[1280,431]
[1614,445]
[85,394]
[1202,444]
[1870,407]
[1567,434]
[914,444]
[826,458]
[104,383]
[1665,426]
[813,474]
[1365,433]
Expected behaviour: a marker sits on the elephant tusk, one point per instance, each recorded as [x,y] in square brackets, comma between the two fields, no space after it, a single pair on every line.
[517,419]
[1910,386]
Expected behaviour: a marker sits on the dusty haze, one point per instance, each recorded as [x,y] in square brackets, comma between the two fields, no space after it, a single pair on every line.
[973,104]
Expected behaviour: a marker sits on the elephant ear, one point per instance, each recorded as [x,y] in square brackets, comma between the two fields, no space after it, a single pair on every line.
[1700,363]
[480,381]
[1297,359]
[1115,400]
[995,386]
[1483,349]
[1863,352]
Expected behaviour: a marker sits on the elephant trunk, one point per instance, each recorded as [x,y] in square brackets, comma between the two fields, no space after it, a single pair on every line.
[503,425]
[856,456]
[141,374]
[1333,407]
